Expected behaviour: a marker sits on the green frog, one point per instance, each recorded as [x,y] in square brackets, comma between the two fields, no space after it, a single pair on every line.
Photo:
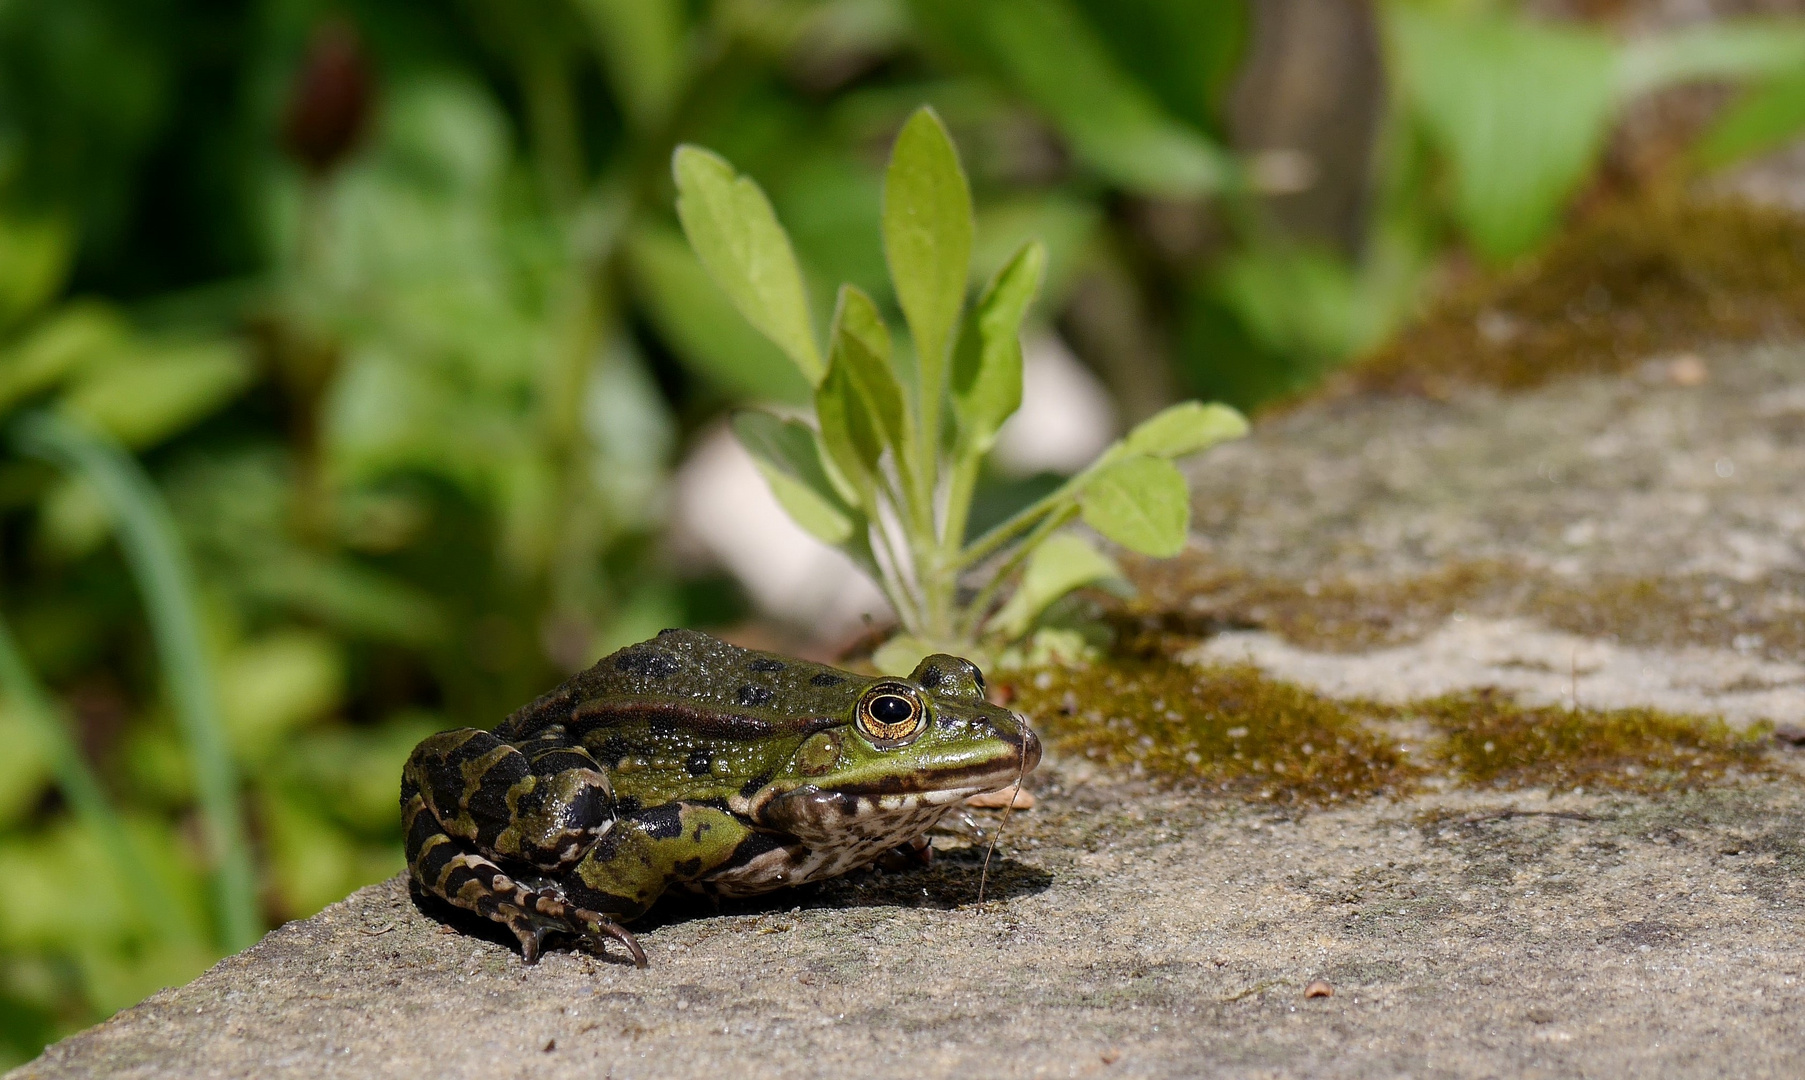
[687,761]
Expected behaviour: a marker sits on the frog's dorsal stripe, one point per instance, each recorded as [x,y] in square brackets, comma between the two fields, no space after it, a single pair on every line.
[679,715]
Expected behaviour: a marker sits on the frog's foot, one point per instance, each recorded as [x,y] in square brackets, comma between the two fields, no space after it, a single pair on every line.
[535,914]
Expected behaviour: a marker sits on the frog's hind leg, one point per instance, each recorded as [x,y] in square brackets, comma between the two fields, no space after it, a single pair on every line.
[456,868]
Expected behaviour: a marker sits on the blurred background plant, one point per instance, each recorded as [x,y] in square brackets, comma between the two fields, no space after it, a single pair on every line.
[357,381]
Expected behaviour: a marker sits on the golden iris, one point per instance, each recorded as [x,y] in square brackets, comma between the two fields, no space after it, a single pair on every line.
[891,712]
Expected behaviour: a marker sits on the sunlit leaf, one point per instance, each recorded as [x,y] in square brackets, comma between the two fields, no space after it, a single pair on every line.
[643,43]
[928,233]
[1520,109]
[786,454]
[1060,564]
[735,234]
[1141,503]
[1728,49]
[150,396]
[1185,428]
[860,404]
[1764,118]
[987,366]
[1113,122]
[274,685]
[702,326]
[34,261]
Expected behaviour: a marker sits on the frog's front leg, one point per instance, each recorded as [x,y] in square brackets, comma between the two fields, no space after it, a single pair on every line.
[631,864]
[469,799]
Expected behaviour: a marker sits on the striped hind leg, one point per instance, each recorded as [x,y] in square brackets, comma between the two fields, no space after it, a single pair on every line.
[447,859]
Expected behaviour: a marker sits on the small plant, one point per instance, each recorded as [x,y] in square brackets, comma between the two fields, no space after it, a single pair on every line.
[888,470]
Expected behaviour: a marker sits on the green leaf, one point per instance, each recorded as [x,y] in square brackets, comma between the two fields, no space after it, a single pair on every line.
[34,263]
[789,459]
[1115,125]
[987,368]
[1733,48]
[928,230]
[1141,503]
[860,403]
[69,339]
[146,398]
[643,44]
[701,325]
[1185,428]
[1521,111]
[1061,563]
[735,234]
[1763,119]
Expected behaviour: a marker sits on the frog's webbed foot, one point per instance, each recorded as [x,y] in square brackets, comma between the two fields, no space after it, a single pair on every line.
[536,914]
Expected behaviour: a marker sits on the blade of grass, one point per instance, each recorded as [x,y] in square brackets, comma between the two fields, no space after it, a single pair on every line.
[148,537]
[81,788]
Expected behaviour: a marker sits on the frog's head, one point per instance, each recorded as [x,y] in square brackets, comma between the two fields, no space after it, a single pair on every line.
[920,744]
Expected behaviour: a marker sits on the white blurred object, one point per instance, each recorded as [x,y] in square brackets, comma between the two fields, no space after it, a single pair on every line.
[724,507]
[1066,418]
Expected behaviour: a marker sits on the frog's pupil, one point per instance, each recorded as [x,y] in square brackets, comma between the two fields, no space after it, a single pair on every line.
[891,709]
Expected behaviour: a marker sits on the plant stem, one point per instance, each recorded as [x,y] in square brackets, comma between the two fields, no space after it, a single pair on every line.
[981,603]
[991,542]
[148,536]
[85,796]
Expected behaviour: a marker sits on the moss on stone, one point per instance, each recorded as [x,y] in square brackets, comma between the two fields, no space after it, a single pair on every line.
[1236,731]
[1230,729]
[1631,282]
[1490,740]
[1193,596]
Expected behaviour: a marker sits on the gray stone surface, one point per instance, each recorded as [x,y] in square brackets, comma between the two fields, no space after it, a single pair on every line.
[1135,932]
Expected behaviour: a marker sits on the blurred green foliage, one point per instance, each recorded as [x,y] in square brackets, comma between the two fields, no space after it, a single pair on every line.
[387,300]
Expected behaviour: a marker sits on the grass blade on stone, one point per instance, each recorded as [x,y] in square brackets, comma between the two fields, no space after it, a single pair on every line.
[152,550]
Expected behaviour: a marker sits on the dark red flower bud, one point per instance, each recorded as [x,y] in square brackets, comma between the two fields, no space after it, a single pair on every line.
[329,104]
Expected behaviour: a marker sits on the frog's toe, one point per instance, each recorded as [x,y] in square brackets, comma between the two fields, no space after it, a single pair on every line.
[598,926]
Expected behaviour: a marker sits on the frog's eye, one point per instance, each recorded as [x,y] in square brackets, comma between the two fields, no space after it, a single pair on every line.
[891,712]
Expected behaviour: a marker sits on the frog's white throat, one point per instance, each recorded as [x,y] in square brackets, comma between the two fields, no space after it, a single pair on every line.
[833,832]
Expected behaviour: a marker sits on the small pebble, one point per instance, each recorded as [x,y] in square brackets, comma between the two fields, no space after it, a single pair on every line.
[1110,1057]
[550,1045]
[1539,1015]
[1020,798]
[1319,988]
[1687,370]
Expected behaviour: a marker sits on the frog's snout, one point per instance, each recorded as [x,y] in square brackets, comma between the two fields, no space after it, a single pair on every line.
[1030,744]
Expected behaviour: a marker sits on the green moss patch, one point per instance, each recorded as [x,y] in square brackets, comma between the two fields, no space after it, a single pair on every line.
[1634,281]
[1233,730]
[1193,597]
[1229,729]
[1489,740]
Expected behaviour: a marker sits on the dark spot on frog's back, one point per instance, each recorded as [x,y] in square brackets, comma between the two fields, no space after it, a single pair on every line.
[751,694]
[700,762]
[662,822]
[765,663]
[648,662]
[752,786]
[931,677]
[827,678]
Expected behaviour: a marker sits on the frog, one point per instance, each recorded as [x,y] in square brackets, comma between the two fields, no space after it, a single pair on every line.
[688,762]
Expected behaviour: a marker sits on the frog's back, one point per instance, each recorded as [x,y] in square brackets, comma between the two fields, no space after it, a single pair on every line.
[686,680]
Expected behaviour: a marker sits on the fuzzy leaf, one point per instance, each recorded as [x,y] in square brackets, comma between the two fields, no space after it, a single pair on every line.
[1141,503]
[987,368]
[786,454]
[928,231]
[1063,562]
[860,403]
[1185,428]
[735,234]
